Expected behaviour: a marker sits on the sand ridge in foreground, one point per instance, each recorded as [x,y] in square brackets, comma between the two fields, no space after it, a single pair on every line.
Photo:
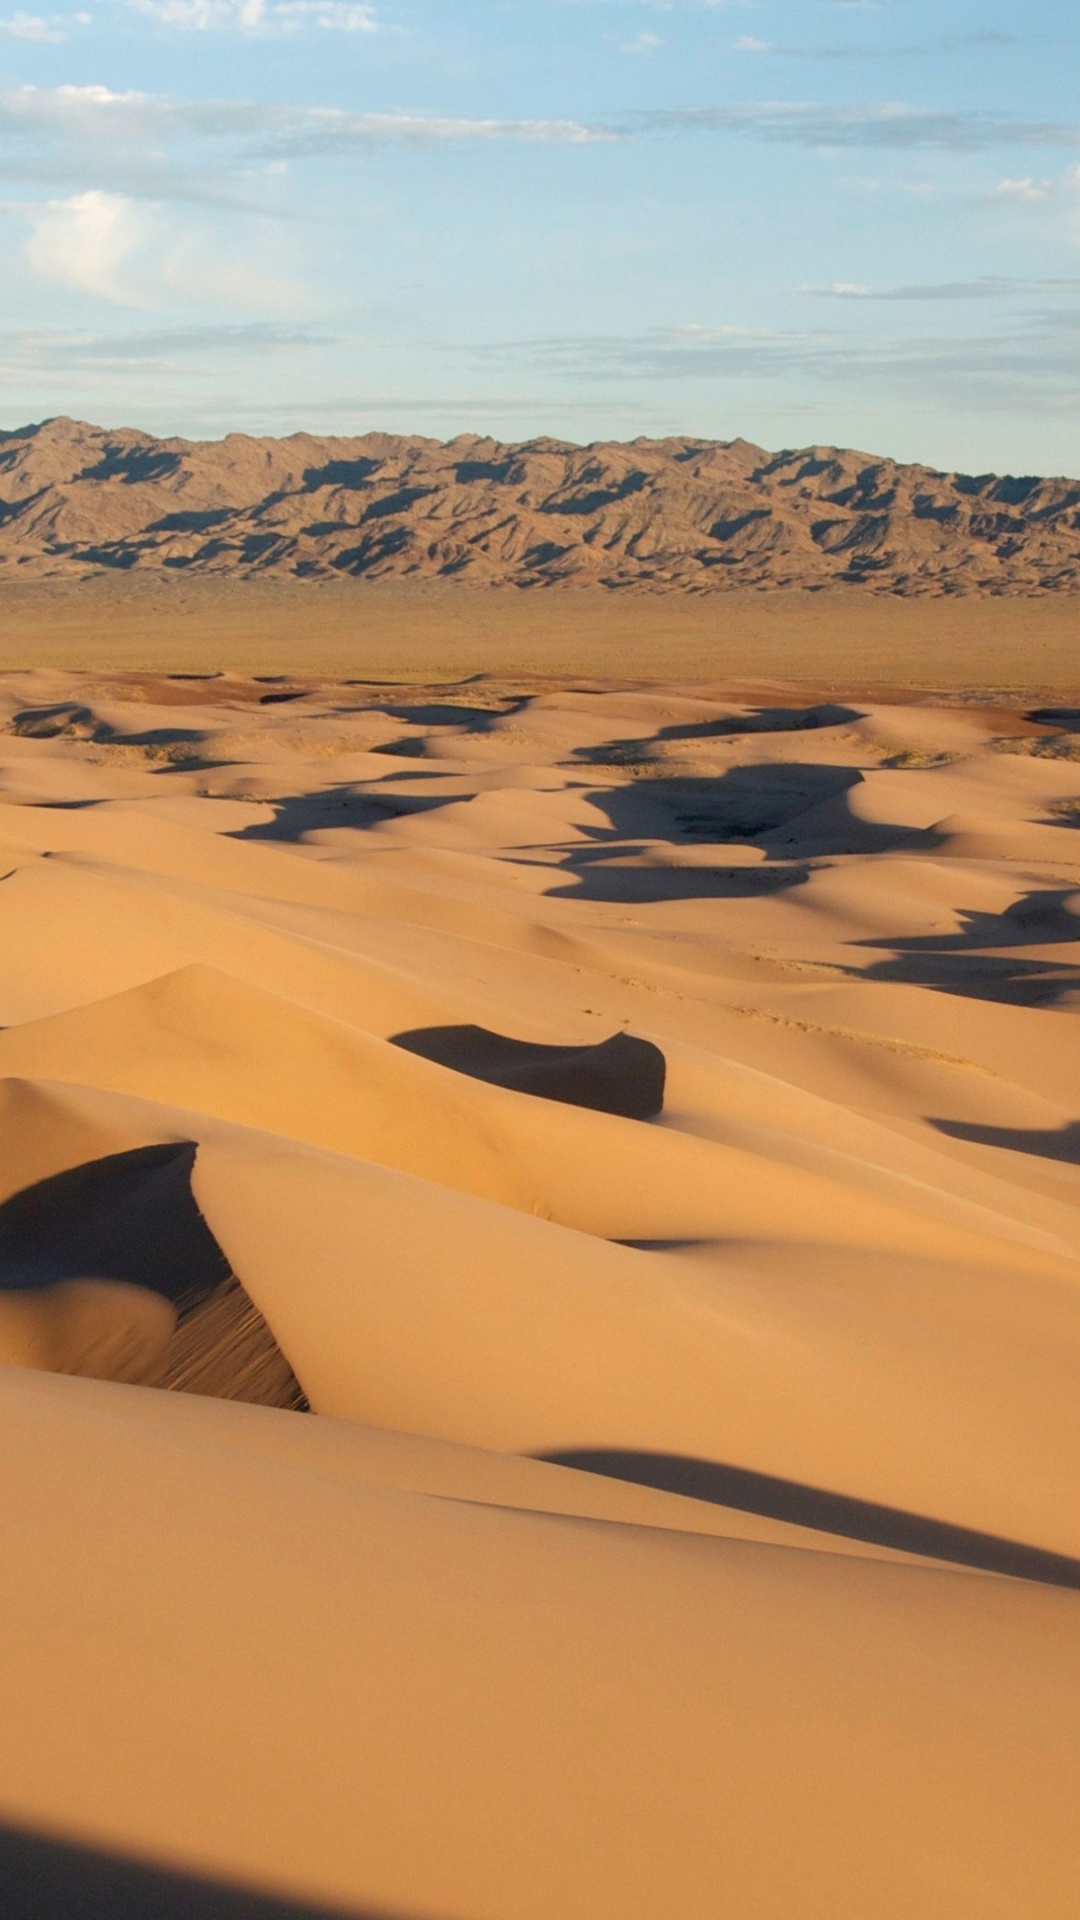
[387,1655]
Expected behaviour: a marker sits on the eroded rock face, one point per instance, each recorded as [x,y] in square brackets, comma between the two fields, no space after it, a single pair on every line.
[664,515]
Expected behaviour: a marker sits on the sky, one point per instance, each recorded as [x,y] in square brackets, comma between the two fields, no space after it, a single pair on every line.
[841,222]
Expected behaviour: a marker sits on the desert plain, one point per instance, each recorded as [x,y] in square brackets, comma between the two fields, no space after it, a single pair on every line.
[540,1279]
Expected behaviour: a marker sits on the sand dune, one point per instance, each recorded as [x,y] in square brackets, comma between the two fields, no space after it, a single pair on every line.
[564,1205]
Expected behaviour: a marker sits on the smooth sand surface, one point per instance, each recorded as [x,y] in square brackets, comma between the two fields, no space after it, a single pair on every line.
[837,636]
[280,953]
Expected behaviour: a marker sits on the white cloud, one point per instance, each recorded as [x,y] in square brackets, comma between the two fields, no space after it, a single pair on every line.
[746,43]
[334,16]
[85,243]
[33,26]
[1050,205]
[109,246]
[642,43]
[1021,190]
[261,16]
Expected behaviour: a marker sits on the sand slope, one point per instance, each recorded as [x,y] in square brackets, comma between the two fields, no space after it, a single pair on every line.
[401,1653]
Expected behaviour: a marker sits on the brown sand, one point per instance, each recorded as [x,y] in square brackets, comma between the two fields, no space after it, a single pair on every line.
[839,638]
[377,1655]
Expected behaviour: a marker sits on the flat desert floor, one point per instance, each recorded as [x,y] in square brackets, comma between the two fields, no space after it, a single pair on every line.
[539,1280]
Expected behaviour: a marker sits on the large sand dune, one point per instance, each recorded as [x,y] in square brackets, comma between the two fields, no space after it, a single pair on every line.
[628,1141]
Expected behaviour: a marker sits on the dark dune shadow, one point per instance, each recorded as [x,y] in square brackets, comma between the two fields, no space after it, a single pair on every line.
[596,878]
[192,737]
[1012,983]
[49,1879]
[129,1216]
[621,1075]
[49,723]
[1046,1143]
[759,720]
[964,962]
[458,714]
[1038,918]
[837,1513]
[764,720]
[1065,718]
[344,806]
[793,812]
[63,806]
[743,803]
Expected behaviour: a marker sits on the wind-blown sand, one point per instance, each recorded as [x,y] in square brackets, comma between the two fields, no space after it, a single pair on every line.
[642,1126]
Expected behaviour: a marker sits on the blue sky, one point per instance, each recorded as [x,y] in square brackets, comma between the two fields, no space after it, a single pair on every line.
[842,221]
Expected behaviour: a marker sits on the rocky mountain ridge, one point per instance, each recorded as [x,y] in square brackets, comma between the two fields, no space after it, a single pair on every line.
[675,515]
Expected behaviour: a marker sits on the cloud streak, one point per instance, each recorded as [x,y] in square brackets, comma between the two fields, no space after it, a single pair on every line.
[1035,366]
[154,350]
[96,114]
[886,124]
[989,287]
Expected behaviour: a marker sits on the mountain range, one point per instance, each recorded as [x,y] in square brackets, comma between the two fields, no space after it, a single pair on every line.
[672,515]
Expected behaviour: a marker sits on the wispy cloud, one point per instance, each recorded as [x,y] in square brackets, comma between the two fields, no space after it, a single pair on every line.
[989,287]
[97,114]
[642,43]
[1035,365]
[261,16]
[931,49]
[156,349]
[49,29]
[885,124]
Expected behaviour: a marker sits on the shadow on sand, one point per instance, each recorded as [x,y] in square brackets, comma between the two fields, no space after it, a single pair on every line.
[1045,1143]
[836,1513]
[344,806]
[621,1075]
[49,1879]
[128,1216]
[793,813]
[964,962]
